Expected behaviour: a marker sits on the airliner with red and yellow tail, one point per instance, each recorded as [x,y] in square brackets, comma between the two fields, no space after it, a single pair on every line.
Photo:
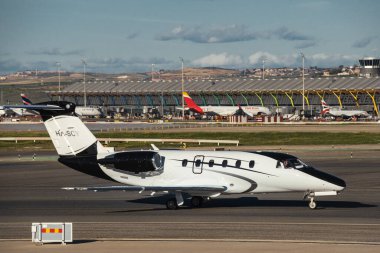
[224,110]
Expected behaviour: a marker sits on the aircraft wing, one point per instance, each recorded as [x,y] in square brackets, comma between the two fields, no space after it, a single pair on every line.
[188,189]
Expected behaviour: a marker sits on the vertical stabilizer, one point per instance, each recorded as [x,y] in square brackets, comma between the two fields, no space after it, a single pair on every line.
[70,136]
[191,104]
[325,107]
[26,100]
[68,133]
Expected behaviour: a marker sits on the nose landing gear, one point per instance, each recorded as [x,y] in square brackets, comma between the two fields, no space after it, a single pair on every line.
[312,203]
[311,196]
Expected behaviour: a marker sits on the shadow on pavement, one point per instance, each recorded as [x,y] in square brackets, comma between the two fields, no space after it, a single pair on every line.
[248,202]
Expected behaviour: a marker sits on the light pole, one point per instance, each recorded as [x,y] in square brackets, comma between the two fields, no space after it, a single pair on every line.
[59,80]
[183,99]
[84,83]
[303,82]
[263,68]
[162,103]
[152,71]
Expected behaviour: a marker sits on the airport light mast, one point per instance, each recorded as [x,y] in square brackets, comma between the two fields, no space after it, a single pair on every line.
[84,83]
[59,79]
[152,71]
[303,82]
[263,68]
[183,99]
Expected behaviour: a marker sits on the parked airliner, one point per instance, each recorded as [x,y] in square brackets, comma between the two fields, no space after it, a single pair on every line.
[79,110]
[199,174]
[335,112]
[224,110]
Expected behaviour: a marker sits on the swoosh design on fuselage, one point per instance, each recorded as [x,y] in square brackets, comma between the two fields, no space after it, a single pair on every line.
[253,183]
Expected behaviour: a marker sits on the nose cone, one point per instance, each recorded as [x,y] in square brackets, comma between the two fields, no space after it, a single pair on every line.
[338,183]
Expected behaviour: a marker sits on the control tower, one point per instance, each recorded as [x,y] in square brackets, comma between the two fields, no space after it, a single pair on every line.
[370,67]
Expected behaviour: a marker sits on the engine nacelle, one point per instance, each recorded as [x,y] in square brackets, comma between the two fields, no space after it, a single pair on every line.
[144,163]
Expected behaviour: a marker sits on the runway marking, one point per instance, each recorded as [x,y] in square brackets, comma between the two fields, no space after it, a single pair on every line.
[224,222]
[221,240]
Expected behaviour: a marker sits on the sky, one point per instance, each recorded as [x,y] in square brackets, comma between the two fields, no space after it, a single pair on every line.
[123,36]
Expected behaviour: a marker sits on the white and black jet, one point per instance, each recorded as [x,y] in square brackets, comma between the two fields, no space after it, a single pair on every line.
[199,174]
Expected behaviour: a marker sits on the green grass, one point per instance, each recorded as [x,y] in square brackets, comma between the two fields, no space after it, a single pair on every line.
[246,139]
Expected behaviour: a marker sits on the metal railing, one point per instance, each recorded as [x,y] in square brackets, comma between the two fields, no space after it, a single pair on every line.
[148,140]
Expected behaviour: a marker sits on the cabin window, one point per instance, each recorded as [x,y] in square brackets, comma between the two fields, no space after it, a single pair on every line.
[184,162]
[251,164]
[237,164]
[224,163]
[211,163]
[198,163]
[278,164]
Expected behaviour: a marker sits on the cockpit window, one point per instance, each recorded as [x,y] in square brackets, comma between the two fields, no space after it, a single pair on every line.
[293,163]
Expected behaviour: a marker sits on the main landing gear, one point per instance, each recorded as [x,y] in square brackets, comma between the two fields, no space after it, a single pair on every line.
[171,204]
[196,202]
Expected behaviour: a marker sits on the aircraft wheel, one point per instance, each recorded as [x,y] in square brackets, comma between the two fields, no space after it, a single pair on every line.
[312,204]
[196,201]
[171,204]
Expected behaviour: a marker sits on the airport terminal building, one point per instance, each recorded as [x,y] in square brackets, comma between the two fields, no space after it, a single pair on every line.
[346,92]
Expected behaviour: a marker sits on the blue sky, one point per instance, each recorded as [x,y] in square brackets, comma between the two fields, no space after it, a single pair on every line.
[117,36]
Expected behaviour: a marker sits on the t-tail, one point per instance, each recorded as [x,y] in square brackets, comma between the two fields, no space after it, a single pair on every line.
[76,146]
[191,103]
[325,107]
[69,134]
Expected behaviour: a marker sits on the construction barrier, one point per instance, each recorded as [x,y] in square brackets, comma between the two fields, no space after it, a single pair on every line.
[52,232]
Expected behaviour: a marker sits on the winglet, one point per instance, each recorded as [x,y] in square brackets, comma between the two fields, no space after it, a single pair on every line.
[154,147]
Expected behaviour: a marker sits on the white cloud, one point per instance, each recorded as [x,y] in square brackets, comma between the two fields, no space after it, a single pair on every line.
[271,59]
[222,59]
[229,33]
[317,59]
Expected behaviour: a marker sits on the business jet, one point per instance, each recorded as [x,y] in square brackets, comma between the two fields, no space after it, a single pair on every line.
[79,110]
[224,110]
[335,112]
[200,174]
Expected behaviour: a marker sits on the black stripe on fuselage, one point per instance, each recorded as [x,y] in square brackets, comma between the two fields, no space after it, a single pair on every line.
[85,164]
[323,176]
